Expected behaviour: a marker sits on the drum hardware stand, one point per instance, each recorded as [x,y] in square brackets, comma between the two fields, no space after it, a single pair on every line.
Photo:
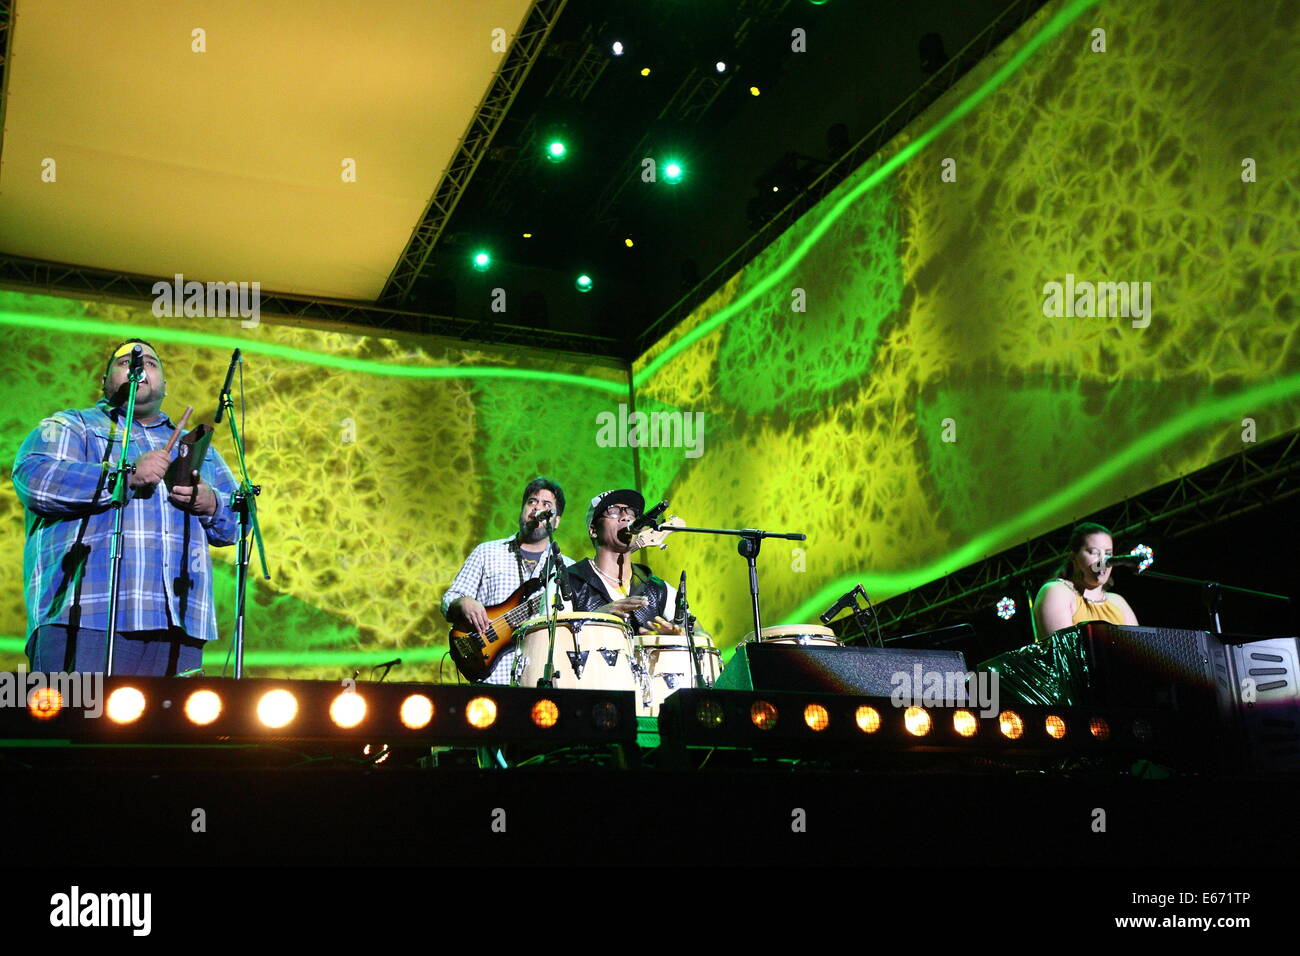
[120,483]
[244,503]
[750,541]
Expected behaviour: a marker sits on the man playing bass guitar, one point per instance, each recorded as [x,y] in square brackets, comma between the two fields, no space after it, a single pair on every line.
[491,575]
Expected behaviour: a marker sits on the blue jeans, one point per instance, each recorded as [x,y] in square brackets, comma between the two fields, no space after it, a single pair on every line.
[54,648]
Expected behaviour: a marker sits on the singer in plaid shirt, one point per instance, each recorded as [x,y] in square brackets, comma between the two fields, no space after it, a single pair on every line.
[165,609]
[495,568]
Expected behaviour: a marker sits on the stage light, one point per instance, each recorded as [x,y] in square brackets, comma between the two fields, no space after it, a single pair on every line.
[867,719]
[277,708]
[202,707]
[1012,727]
[964,722]
[673,172]
[1006,609]
[645,71]
[1148,559]
[605,716]
[556,152]
[382,750]
[1055,726]
[481,712]
[416,712]
[1099,728]
[528,235]
[583,283]
[44,703]
[709,713]
[816,717]
[628,243]
[753,91]
[125,705]
[616,48]
[482,261]
[348,709]
[763,715]
[917,721]
[1143,730]
[545,713]
[720,67]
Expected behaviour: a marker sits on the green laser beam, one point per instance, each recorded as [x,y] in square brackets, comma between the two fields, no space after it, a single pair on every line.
[892,165]
[983,544]
[75,326]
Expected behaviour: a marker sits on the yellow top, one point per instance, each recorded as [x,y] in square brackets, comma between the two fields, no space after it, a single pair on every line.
[1084,610]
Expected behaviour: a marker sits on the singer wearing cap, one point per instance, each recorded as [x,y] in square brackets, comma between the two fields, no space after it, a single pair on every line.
[1081,590]
[610,582]
[165,610]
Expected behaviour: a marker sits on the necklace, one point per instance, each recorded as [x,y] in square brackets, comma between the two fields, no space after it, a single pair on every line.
[1102,600]
[615,581]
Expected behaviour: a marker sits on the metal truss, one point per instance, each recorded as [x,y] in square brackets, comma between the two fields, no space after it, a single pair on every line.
[1218,492]
[1007,22]
[35,275]
[6,22]
[583,72]
[473,147]
[695,94]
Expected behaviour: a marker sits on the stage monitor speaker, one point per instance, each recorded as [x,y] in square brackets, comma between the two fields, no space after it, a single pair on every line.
[842,670]
[1266,676]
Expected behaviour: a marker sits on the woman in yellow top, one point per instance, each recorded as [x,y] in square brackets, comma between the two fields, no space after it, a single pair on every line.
[1081,589]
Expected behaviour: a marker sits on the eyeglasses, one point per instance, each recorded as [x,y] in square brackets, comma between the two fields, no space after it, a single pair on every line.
[619,511]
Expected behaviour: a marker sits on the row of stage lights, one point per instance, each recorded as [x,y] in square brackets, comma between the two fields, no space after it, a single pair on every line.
[794,721]
[205,710]
[169,707]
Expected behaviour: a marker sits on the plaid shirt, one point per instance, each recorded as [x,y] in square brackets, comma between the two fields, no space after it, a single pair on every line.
[490,575]
[61,476]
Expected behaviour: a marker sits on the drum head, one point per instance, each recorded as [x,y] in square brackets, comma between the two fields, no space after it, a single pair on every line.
[586,617]
[793,631]
[674,641]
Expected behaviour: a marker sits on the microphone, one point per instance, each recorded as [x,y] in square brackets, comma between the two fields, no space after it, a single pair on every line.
[541,516]
[679,612]
[137,362]
[846,601]
[648,519]
[225,389]
[1123,560]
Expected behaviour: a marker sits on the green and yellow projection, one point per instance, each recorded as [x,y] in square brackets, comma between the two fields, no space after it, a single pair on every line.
[883,377]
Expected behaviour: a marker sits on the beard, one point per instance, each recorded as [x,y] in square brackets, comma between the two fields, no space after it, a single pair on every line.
[530,533]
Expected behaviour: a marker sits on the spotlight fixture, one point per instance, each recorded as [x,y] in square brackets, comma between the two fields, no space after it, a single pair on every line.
[203,707]
[277,708]
[583,283]
[348,709]
[482,261]
[754,91]
[1006,609]
[125,705]
[557,151]
[645,71]
[616,48]
[673,172]
[720,67]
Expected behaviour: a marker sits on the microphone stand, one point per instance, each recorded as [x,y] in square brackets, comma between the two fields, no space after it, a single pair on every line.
[244,503]
[1212,592]
[121,492]
[688,621]
[750,541]
[555,573]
